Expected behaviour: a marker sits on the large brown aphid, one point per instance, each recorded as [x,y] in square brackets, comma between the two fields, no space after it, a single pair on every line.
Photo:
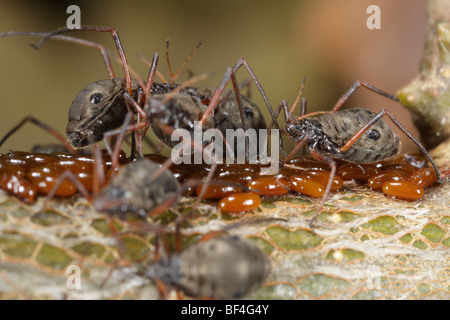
[352,135]
[101,106]
[225,267]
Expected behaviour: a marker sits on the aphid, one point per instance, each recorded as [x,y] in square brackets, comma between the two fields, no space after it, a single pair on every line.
[354,135]
[102,105]
[133,190]
[224,267]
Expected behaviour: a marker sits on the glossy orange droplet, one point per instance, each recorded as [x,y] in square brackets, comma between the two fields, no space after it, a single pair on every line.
[269,186]
[360,172]
[424,177]
[306,186]
[403,190]
[404,167]
[376,182]
[240,202]
[217,191]
[323,177]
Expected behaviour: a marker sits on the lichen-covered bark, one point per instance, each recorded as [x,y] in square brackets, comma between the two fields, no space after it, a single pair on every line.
[365,246]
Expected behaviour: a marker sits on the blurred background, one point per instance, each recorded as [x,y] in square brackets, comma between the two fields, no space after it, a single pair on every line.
[325,40]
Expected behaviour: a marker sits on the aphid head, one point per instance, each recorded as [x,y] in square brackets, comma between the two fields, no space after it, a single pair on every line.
[97,108]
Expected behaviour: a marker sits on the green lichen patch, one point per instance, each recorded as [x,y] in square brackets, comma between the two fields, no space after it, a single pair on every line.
[383,224]
[295,200]
[406,238]
[445,220]
[110,258]
[367,295]
[17,246]
[345,255]
[53,257]
[275,292]
[165,218]
[103,225]
[318,284]
[48,218]
[420,244]
[8,203]
[364,237]
[20,213]
[446,242]
[185,241]
[265,246]
[267,204]
[347,216]
[90,249]
[433,233]
[135,249]
[293,240]
[423,288]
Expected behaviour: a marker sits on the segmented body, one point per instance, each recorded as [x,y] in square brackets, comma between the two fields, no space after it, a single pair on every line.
[133,190]
[329,132]
[225,267]
[100,107]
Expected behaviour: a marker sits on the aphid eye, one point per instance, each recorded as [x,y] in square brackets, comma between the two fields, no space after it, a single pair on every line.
[96,98]
[248,112]
[374,134]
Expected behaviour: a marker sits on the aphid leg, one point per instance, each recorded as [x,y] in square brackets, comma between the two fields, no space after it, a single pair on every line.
[174,75]
[298,145]
[283,105]
[86,43]
[148,63]
[115,36]
[42,125]
[332,165]
[303,105]
[382,113]
[355,86]
[70,176]
[120,138]
[99,172]
[219,90]
[237,93]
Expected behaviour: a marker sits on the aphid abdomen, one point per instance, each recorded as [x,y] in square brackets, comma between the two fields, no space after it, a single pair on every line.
[379,142]
[225,267]
[133,190]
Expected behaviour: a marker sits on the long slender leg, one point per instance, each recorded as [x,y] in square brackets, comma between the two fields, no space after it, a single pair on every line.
[115,36]
[382,113]
[42,125]
[302,111]
[102,49]
[174,75]
[221,87]
[332,165]
[148,63]
[355,86]
[297,147]
[65,175]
